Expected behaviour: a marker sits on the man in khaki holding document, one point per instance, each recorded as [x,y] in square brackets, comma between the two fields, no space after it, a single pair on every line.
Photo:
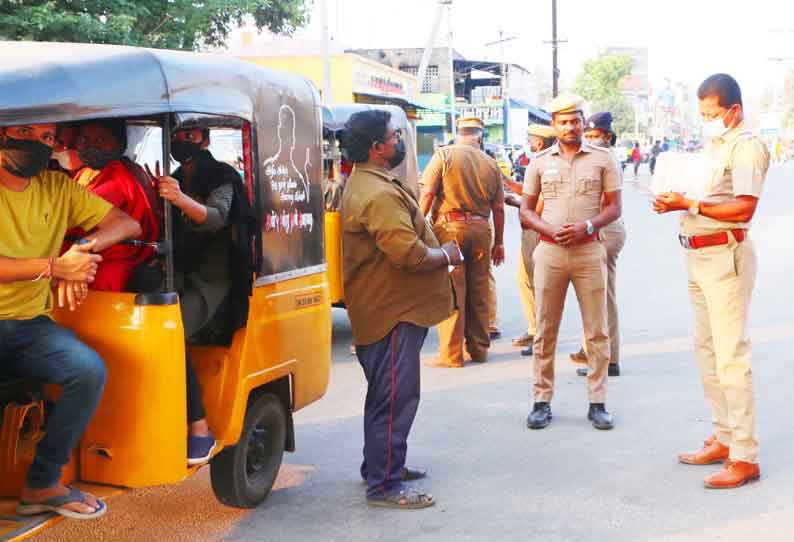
[721,264]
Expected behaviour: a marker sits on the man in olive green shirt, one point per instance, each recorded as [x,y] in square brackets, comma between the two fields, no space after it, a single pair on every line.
[37,207]
[396,284]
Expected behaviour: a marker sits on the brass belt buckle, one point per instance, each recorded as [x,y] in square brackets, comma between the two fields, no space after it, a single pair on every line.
[684,240]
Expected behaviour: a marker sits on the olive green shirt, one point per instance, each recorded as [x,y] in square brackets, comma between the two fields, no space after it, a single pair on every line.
[572,191]
[470,180]
[739,162]
[384,238]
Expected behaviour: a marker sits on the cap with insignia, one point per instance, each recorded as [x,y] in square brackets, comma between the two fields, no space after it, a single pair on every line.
[599,121]
[470,122]
[541,130]
[565,103]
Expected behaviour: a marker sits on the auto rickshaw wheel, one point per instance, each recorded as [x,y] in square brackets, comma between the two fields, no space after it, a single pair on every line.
[243,475]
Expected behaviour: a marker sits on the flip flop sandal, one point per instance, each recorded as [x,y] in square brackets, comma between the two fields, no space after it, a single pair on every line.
[56,504]
[405,500]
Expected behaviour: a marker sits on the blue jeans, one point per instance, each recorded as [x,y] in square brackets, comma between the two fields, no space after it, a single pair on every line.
[43,350]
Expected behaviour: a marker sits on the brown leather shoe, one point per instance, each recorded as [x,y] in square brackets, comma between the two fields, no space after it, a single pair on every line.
[733,474]
[437,362]
[709,454]
[579,357]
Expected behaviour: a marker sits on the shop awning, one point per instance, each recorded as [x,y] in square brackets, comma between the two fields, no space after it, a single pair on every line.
[533,111]
[406,103]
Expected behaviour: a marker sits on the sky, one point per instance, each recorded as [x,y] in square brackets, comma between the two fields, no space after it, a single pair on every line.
[687,40]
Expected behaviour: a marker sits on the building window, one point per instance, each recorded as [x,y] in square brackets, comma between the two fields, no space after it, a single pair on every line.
[431,83]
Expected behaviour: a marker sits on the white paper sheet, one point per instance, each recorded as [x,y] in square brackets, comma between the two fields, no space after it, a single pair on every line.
[687,173]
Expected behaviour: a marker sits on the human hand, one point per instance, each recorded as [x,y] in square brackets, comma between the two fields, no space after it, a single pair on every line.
[153,177]
[169,189]
[498,255]
[512,200]
[77,264]
[571,234]
[72,293]
[452,250]
[670,201]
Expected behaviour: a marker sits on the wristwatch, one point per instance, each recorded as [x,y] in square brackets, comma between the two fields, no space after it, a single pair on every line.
[590,228]
[694,209]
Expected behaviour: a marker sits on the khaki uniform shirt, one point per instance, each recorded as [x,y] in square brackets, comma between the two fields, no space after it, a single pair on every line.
[572,191]
[471,181]
[739,161]
[384,238]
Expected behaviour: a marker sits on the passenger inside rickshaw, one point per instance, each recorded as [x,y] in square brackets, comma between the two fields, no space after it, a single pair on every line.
[211,253]
[103,170]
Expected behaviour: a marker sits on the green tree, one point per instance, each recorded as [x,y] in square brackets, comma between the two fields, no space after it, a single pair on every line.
[167,24]
[599,83]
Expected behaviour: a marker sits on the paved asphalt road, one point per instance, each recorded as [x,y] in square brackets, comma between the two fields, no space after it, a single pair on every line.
[496,480]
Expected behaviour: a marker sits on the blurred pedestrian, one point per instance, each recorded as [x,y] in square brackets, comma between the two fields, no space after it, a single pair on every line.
[636,157]
[396,285]
[469,186]
[656,150]
[721,263]
[580,185]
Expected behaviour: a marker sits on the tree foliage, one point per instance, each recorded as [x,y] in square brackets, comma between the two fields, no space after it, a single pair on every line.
[167,24]
[599,84]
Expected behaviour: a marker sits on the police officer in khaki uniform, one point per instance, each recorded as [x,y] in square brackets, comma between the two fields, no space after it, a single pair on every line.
[581,189]
[598,132]
[539,138]
[468,184]
[721,264]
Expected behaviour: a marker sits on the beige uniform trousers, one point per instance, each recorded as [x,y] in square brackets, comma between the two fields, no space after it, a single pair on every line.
[614,238]
[721,281]
[469,322]
[526,282]
[555,267]
[493,307]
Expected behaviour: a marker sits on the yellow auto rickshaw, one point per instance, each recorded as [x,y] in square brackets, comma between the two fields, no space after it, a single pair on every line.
[334,119]
[272,363]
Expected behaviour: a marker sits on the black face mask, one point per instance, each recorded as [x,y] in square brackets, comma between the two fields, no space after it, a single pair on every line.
[25,158]
[185,151]
[399,155]
[97,158]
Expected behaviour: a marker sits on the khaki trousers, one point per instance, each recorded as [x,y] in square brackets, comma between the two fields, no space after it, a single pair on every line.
[493,307]
[614,238]
[721,281]
[555,267]
[469,322]
[526,283]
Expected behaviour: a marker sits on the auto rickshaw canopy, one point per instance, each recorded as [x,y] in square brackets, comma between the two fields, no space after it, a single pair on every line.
[62,82]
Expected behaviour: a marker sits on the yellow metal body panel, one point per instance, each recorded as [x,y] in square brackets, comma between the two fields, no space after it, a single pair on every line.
[288,334]
[138,436]
[143,407]
[333,254]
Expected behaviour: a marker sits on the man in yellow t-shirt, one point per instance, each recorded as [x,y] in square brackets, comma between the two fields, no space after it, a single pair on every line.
[37,206]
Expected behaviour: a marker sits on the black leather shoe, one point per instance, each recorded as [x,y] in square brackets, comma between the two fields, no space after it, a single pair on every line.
[612,370]
[600,417]
[527,351]
[524,340]
[540,416]
[496,334]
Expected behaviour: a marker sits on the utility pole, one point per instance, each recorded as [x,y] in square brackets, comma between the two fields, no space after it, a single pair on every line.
[555,69]
[327,97]
[505,83]
[448,3]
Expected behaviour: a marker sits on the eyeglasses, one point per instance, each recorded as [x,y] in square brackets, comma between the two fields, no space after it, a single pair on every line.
[398,133]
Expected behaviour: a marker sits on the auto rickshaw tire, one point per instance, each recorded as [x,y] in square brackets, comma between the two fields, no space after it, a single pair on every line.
[243,475]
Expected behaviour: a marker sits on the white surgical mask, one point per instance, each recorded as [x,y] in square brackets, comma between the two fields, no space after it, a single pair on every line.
[712,129]
[68,160]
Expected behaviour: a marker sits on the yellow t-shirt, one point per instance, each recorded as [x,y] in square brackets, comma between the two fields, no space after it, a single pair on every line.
[32,225]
